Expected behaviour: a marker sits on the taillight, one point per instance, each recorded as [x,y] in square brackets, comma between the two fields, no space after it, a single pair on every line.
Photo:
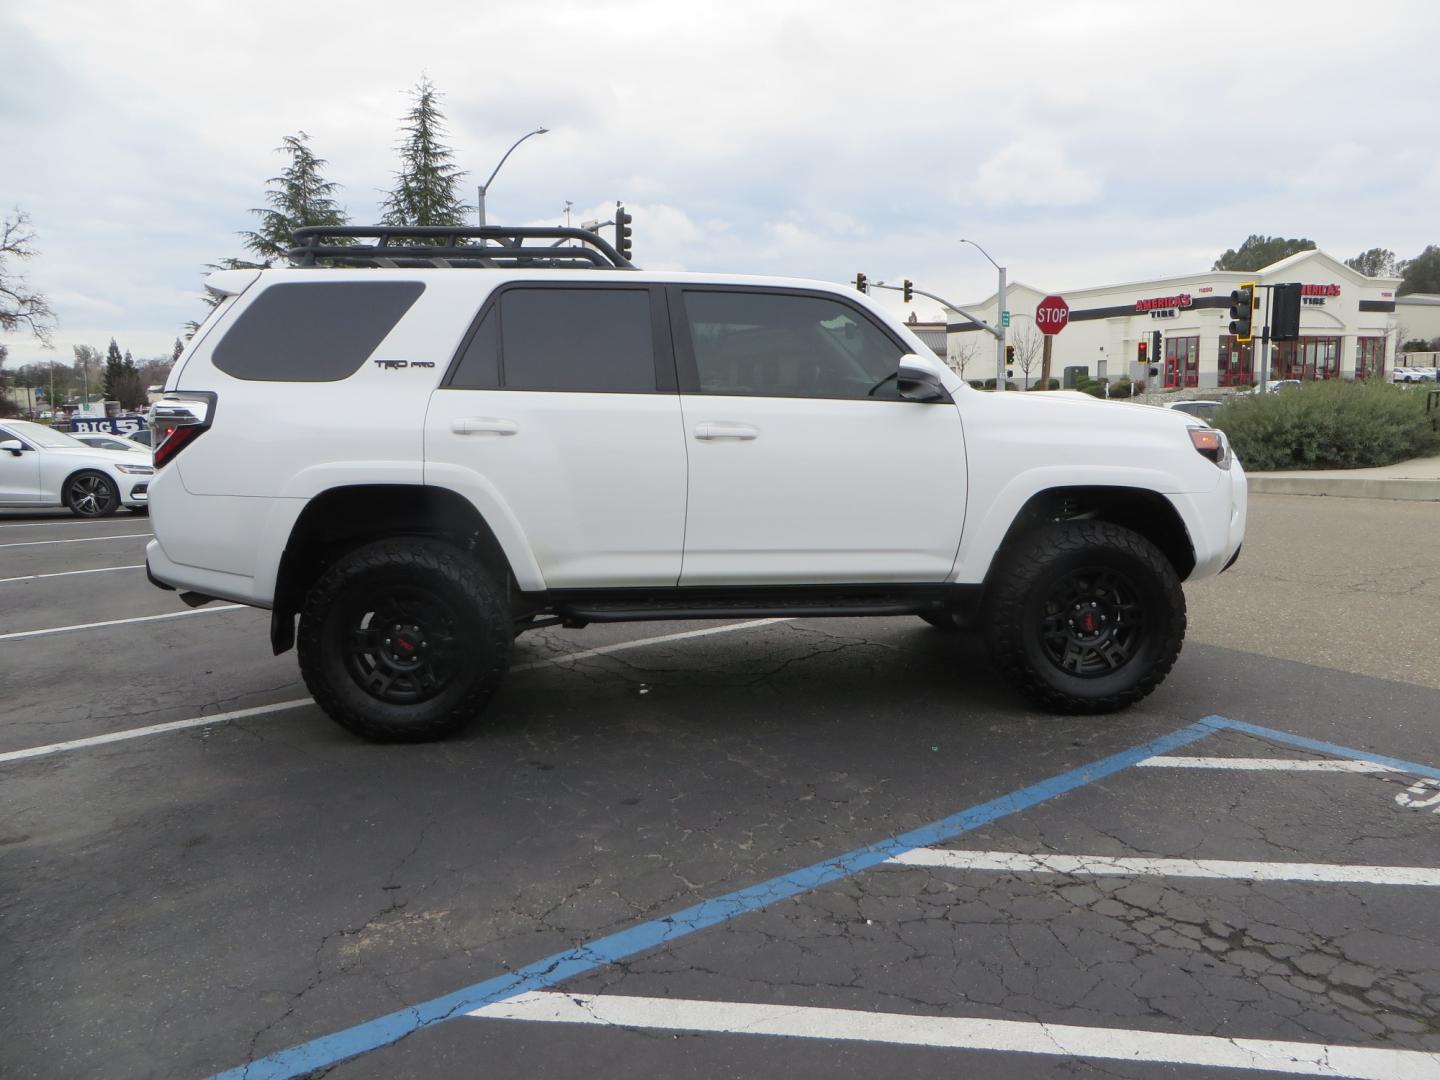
[179,418]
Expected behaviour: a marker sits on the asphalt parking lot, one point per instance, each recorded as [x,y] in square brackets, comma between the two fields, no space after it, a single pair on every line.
[834,848]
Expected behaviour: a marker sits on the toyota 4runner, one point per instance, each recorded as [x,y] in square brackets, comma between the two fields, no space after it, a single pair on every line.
[422,442]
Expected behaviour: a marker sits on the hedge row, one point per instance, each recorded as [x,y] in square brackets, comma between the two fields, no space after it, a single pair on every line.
[1336,424]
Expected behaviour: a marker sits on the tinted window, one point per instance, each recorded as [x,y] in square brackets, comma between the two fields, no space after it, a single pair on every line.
[313,331]
[780,345]
[480,365]
[577,339]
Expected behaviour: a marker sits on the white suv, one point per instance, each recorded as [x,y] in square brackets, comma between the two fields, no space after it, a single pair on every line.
[425,444]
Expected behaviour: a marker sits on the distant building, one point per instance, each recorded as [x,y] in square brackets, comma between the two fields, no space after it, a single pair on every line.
[1179,327]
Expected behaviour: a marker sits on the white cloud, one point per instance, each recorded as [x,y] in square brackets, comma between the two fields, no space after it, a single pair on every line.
[1034,171]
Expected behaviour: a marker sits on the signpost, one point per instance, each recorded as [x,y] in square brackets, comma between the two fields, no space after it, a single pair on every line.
[1051,316]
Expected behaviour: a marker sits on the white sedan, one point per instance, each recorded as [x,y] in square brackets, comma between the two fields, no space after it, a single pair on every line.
[40,466]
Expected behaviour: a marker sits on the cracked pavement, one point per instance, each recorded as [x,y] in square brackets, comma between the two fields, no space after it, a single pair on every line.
[176,905]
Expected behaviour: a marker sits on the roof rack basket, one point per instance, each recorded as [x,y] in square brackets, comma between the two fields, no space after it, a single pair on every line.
[443,245]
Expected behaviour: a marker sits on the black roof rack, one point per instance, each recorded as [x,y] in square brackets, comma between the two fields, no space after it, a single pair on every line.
[443,245]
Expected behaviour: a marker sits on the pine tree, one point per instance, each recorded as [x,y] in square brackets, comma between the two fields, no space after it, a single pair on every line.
[299,196]
[427,185]
[177,350]
[114,369]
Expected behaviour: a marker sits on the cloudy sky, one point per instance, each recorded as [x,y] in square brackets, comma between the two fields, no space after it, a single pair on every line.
[1080,143]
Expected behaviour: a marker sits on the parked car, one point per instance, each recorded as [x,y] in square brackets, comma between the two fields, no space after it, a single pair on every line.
[105,441]
[40,466]
[1275,386]
[1202,410]
[1413,374]
[145,437]
[533,434]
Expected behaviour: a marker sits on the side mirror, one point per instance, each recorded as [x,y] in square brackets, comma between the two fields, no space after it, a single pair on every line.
[15,446]
[917,384]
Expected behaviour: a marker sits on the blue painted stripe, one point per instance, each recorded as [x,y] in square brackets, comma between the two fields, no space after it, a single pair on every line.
[373,1034]
[1320,747]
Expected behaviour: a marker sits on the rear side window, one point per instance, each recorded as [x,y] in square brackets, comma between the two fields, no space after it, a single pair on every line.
[319,331]
[596,340]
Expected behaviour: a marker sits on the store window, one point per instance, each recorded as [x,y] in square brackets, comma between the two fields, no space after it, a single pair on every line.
[1369,357]
[1237,363]
[1182,362]
[1306,358]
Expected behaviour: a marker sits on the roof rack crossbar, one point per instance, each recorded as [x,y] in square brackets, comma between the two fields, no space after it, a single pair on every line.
[498,245]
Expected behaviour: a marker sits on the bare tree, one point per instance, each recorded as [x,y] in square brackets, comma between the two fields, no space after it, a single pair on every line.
[1028,342]
[961,353]
[20,305]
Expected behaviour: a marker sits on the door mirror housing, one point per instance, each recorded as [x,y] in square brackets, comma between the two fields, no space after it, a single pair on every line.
[15,446]
[918,379]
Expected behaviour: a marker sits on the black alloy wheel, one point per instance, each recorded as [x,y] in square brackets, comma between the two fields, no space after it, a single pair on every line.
[91,495]
[1094,622]
[403,645]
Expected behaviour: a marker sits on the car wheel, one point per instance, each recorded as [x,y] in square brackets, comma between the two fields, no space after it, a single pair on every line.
[405,640]
[91,495]
[1085,617]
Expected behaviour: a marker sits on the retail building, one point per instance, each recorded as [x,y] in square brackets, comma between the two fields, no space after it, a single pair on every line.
[1179,328]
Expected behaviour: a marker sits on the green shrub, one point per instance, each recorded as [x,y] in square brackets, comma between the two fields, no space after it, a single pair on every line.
[1053,384]
[1337,424]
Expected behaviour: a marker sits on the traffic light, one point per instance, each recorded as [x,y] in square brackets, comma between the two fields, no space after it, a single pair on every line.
[1142,355]
[908,291]
[860,284]
[1242,312]
[1285,312]
[622,232]
[1009,355]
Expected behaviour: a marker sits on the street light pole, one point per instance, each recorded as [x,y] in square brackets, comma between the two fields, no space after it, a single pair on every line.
[999,317]
[480,207]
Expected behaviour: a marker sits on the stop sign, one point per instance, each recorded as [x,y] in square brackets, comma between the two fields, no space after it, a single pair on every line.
[1052,315]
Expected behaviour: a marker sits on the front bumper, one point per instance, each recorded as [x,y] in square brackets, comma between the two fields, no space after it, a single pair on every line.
[1215,521]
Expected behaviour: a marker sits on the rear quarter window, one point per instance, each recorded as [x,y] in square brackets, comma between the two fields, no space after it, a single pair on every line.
[320,331]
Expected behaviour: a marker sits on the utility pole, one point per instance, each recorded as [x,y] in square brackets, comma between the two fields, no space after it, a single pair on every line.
[1002,318]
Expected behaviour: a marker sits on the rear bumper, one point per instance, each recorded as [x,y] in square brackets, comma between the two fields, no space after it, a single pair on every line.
[165,573]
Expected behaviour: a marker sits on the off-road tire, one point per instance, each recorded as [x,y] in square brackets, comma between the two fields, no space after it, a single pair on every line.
[91,494]
[472,606]
[1020,597]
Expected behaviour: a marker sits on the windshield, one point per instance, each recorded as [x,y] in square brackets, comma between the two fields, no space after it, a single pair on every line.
[41,435]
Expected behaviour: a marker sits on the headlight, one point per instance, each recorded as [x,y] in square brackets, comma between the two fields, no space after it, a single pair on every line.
[135,470]
[1212,443]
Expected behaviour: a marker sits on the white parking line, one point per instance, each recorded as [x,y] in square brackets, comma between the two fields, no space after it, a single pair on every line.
[78,540]
[1247,764]
[67,521]
[71,573]
[153,729]
[1106,866]
[966,1033]
[262,710]
[118,622]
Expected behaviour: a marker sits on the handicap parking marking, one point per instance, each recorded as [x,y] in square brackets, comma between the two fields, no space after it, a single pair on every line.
[614,948]
[487,998]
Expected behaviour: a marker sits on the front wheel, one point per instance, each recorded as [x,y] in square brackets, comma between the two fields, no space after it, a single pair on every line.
[404,640]
[1085,616]
[91,495]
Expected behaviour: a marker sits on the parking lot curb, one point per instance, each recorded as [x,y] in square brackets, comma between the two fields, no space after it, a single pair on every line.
[1344,487]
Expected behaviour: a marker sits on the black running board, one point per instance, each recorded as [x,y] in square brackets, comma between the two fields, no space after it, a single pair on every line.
[579,607]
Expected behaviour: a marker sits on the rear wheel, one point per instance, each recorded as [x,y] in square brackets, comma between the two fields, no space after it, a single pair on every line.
[91,495]
[404,640]
[1085,617]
